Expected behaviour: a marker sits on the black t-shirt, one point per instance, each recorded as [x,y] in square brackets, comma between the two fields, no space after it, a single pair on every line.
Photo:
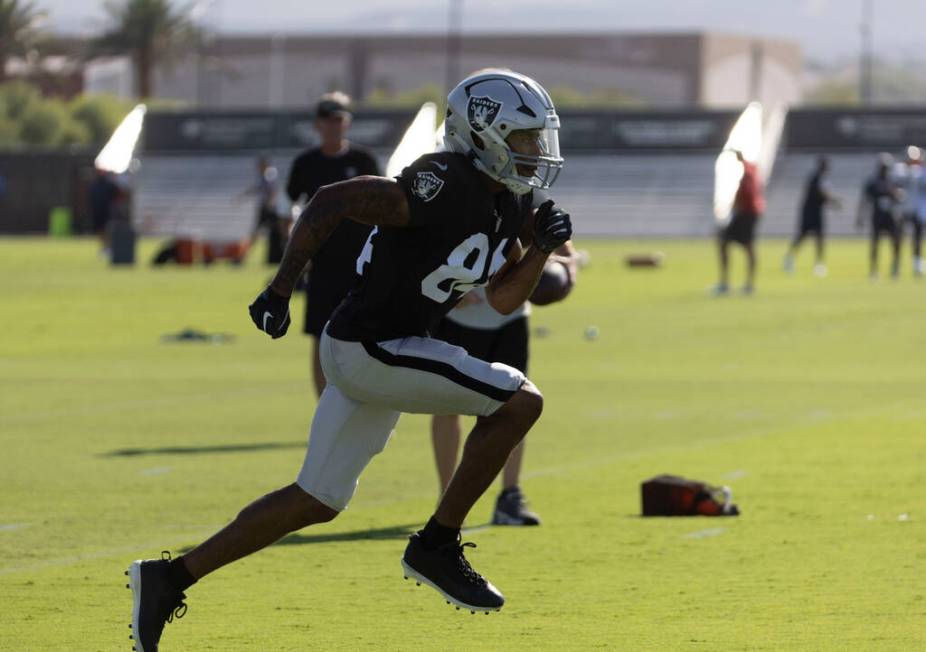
[103,193]
[881,194]
[334,263]
[814,197]
[459,236]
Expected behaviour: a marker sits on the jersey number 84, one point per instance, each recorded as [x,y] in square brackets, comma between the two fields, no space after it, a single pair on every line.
[455,275]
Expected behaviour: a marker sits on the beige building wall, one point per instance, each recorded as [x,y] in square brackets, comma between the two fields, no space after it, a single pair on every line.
[660,70]
[739,69]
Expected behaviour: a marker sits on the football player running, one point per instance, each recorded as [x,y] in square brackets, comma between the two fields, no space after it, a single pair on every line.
[450,222]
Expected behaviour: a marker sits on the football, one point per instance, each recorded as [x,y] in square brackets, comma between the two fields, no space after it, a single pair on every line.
[645,260]
[554,284]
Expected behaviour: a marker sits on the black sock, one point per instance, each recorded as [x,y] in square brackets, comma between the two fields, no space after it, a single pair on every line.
[435,535]
[178,575]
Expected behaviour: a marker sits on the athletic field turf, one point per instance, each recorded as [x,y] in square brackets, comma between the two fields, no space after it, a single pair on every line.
[807,399]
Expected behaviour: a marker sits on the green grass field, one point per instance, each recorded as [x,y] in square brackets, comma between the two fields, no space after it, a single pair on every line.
[807,399]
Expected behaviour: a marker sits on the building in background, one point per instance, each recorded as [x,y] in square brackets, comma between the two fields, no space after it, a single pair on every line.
[704,70]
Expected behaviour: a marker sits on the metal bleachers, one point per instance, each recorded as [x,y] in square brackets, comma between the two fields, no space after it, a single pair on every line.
[630,195]
[625,195]
[194,196]
[200,196]
[848,172]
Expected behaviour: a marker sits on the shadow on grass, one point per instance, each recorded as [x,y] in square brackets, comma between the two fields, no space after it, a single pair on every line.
[200,450]
[375,534]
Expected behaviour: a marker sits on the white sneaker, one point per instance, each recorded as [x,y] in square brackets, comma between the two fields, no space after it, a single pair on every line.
[820,270]
[918,267]
[719,290]
[787,264]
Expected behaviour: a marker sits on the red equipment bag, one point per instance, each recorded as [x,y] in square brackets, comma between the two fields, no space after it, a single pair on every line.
[670,495]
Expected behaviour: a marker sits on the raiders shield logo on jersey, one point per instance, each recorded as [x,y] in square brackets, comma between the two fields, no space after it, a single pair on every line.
[481,112]
[427,185]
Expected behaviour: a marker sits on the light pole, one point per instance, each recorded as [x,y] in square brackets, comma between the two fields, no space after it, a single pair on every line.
[198,16]
[865,59]
[454,42]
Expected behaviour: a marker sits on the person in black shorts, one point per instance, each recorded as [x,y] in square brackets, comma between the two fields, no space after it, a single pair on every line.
[451,222]
[816,197]
[333,269]
[880,199]
[103,195]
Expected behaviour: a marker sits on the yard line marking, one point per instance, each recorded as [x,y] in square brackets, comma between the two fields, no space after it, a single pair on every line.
[156,470]
[266,388]
[101,554]
[580,467]
[735,475]
[705,534]
[10,527]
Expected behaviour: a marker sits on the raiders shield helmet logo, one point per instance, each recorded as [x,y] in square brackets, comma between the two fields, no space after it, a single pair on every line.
[481,112]
[427,185]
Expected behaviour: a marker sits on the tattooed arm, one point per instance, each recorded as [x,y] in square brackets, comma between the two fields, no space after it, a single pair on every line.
[370,200]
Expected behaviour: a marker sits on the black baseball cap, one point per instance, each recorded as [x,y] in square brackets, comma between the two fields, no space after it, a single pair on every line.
[334,104]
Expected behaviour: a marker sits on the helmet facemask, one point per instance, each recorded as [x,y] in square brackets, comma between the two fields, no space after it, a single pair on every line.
[535,160]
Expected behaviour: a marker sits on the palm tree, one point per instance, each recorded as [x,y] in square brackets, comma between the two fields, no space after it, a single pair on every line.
[19,30]
[151,32]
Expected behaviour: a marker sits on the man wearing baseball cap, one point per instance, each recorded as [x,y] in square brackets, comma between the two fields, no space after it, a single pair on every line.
[333,269]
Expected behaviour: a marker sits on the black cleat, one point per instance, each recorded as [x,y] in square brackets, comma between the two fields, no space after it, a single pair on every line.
[155,601]
[511,509]
[446,570]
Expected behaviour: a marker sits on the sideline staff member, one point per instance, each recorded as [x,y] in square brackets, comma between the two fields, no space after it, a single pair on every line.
[748,206]
[333,269]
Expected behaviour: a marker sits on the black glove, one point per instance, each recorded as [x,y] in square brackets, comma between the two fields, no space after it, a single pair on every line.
[551,227]
[270,313]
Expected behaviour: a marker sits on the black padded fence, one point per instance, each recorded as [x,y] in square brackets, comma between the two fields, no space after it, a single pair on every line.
[32,183]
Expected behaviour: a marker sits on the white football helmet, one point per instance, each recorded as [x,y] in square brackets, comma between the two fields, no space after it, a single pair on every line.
[482,112]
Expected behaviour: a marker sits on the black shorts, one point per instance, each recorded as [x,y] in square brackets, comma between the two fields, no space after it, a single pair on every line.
[884,223]
[507,344]
[741,229]
[100,220]
[811,224]
[914,219]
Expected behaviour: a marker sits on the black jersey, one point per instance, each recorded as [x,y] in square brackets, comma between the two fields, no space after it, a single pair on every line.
[882,193]
[459,235]
[814,197]
[310,171]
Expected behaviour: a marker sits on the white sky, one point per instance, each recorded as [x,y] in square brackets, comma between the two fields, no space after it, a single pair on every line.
[826,29]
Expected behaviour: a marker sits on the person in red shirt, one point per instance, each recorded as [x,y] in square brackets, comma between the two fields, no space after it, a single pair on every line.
[748,206]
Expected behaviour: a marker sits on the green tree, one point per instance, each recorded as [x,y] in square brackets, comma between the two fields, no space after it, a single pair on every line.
[98,115]
[833,92]
[151,32]
[565,97]
[45,124]
[380,98]
[9,132]
[17,98]
[19,30]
